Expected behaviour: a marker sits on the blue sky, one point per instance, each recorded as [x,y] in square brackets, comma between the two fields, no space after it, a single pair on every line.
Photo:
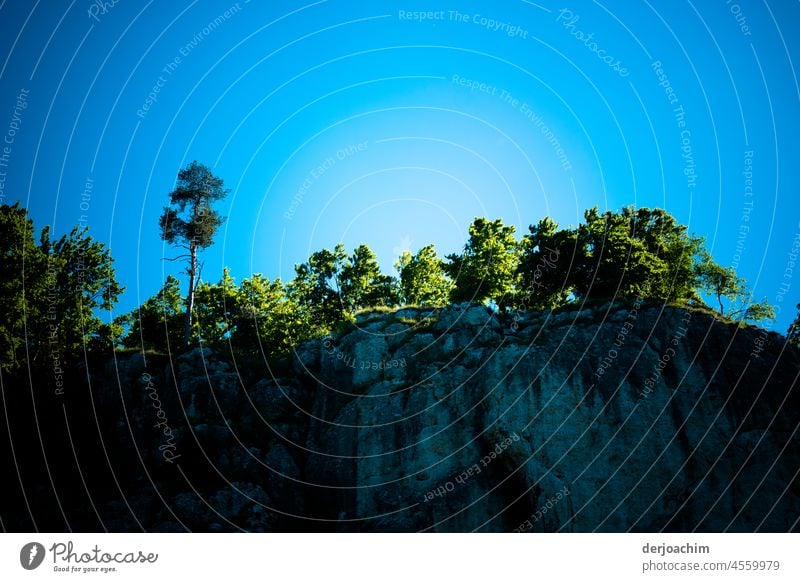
[368,122]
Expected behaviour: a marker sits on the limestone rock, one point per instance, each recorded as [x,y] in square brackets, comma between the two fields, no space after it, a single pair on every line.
[454,420]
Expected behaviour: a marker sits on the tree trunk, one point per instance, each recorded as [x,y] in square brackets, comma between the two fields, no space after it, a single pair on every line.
[187,330]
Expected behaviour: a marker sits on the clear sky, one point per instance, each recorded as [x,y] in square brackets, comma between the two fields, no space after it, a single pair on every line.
[369,122]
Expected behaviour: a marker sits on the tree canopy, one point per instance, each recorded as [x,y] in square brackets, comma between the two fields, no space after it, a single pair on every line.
[546,257]
[486,269]
[190,222]
[793,333]
[423,280]
[633,253]
[157,324]
[52,291]
[362,285]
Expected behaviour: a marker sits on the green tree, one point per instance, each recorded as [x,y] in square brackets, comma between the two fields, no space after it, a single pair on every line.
[755,312]
[316,289]
[793,333]
[362,285]
[719,282]
[487,268]
[546,260]
[422,278]
[331,286]
[266,318]
[157,324]
[215,304]
[109,336]
[190,222]
[635,252]
[672,244]
[81,276]
[23,289]
[50,293]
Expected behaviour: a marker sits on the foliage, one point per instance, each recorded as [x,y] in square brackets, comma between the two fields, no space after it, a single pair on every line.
[190,222]
[157,324]
[718,281]
[266,319]
[189,219]
[331,287]
[635,253]
[362,285]
[215,305]
[256,316]
[316,289]
[723,283]
[757,312]
[50,292]
[81,280]
[487,268]
[422,278]
[546,255]
[793,333]
[23,268]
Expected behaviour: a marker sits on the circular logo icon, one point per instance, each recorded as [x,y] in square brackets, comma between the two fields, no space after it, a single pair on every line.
[31,555]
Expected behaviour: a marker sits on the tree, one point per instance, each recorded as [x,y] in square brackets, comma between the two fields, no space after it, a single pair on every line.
[756,312]
[109,336]
[50,292]
[190,222]
[635,253]
[316,289]
[718,281]
[331,286]
[215,305]
[157,324]
[486,270]
[83,281]
[546,255]
[266,318]
[422,278]
[23,269]
[669,242]
[723,283]
[362,285]
[793,333]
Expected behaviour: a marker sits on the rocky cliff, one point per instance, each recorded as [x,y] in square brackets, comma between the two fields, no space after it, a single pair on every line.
[635,417]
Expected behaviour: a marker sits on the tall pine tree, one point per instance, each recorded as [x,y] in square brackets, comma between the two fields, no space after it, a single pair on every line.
[190,222]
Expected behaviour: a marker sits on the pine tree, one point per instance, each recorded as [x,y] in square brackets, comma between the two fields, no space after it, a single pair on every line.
[190,222]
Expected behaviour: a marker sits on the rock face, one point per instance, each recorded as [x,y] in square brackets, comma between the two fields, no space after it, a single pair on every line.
[626,418]
[642,418]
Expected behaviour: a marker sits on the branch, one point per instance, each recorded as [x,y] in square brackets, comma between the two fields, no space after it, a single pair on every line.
[199,271]
[176,258]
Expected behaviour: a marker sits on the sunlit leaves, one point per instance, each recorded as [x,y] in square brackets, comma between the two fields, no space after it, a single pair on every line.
[422,278]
